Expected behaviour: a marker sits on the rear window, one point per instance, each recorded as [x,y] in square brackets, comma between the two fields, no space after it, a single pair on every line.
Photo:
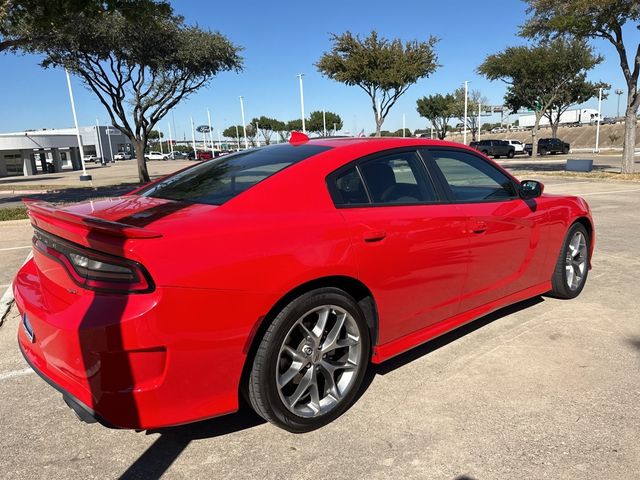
[216,181]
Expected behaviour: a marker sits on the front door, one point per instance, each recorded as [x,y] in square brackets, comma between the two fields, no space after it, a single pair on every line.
[503,230]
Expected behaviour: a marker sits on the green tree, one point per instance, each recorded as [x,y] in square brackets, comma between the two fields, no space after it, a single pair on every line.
[602,19]
[578,91]
[438,109]
[538,75]
[234,132]
[383,68]
[28,22]
[139,67]
[407,133]
[315,123]
[267,127]
[474,100]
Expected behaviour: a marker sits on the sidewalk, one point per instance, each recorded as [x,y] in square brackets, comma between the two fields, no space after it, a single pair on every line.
[123,172]
[64,187]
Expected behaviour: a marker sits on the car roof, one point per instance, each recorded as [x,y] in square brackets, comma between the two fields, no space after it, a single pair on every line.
[383,142]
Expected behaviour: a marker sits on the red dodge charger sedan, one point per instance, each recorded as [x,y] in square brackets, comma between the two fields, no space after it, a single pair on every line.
[279,273]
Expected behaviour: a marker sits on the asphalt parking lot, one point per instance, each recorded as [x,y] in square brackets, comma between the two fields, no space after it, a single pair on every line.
[544,389]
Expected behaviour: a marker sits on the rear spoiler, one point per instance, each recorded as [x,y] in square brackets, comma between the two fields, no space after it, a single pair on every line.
[39,210]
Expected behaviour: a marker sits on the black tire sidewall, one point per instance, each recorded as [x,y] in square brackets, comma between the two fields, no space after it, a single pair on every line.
[559,281]
[276,334]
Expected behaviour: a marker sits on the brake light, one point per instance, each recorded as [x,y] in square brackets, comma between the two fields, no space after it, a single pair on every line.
[94,270]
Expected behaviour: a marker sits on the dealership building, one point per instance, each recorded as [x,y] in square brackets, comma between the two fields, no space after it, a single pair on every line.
[34,152]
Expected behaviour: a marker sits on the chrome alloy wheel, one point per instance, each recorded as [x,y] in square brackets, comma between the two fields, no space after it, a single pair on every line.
[318,361]
[576,260]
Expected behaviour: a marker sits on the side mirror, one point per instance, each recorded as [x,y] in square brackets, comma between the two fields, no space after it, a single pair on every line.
[530,189]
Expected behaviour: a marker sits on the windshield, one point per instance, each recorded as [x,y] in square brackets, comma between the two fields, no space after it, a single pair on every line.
[216,181]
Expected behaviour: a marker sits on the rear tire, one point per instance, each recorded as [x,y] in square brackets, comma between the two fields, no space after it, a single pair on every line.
[543,151]
[572,267]
[311,361]
[511,154]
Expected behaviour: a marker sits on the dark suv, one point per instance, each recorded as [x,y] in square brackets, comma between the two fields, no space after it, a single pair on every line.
[495,148]
[549,145]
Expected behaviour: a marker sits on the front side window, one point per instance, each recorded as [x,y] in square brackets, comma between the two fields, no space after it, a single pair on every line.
[216,181]
[472,179]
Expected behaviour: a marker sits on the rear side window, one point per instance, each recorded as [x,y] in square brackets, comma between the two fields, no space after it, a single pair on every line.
[216,181]
[349,188]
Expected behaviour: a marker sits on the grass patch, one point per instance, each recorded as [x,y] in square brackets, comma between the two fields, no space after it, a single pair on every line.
[15,213]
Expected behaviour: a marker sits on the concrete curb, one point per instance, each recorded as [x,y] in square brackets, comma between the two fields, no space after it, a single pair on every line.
[24,192]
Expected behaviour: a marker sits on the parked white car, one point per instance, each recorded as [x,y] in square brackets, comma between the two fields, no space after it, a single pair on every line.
[518,145]
[155,156]
[122,156]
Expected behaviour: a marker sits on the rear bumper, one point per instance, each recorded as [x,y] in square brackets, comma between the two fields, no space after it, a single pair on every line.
[83,412]
[139,361]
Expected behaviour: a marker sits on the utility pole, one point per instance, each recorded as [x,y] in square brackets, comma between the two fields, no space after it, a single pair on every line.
[466,91]
[244,127]
[238,138]
[404,122]
[598,121]
[304,126]
[84,177]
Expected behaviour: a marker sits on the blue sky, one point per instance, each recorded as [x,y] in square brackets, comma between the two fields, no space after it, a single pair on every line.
[282,39]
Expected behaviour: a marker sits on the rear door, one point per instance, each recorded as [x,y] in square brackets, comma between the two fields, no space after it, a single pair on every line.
[504,231]
[411,248]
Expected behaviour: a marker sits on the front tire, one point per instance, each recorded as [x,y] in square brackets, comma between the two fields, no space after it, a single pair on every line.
[311,361]
[572,267]
[511,153]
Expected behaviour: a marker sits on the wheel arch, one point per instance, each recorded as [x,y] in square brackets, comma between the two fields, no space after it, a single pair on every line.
[352,286]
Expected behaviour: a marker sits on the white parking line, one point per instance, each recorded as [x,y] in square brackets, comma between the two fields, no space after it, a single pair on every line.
[16,373]
[610,192]
[14,248]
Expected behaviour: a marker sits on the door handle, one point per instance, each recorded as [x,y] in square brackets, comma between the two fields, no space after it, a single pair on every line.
[374,236]
[478,227]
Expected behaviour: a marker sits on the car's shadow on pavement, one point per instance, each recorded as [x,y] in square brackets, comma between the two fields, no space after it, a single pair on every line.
[157,459]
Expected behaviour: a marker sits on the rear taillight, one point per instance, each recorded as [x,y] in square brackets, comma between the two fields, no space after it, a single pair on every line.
[94,270]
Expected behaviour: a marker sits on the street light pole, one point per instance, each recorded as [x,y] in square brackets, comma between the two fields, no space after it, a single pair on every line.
[238,138]
[173,157]
[84,176]
[210,131]
[100,141]
[109,141]
[404,122]
[479,118]
[193,140]
[618,92]
[304,126]
[466,105]
[324,122]
[244,127]
[598,120]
